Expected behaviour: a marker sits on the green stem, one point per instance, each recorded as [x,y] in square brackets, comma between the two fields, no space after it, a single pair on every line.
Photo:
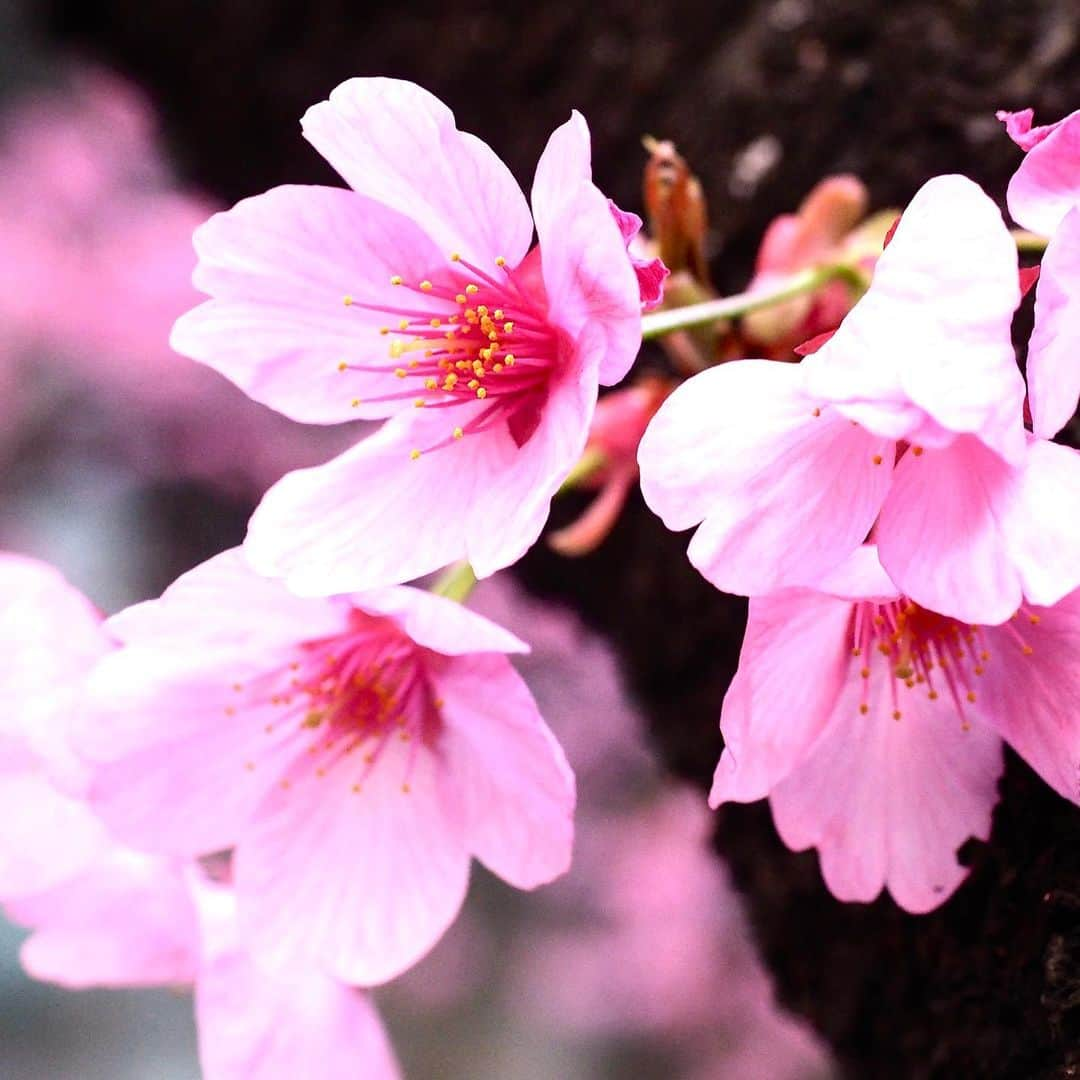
[455,582]
[659,323]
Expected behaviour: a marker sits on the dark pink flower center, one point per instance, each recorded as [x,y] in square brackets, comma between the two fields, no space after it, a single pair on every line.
[486,339]
[351,694]
[923,649]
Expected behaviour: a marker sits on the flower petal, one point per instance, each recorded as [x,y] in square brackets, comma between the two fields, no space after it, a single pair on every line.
[933,330]
[887,802]
[785,495]
[264,1025]
[127,921]
[1033,698]
[515,783]
[564,168]
[966,535]
[1046,186]
[1053,364]
[793,663]
[439,624]
[590,280]
[361,882]
[279,266]
[397,144]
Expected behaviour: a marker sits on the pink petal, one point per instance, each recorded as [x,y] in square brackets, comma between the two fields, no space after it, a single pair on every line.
[510,506]
[128,921]
[564,169]
[362,883]
[261,619]
[436,623]
[933,331]
[793,663]
[46,836]
[590,281]
[651,273]
[515,783]
[279,266]
[1033,699]
[887,802]
[785,495]
[964,534]
[256,1024]
[1046,186]
[397,144]
[1053,365]
[184,761]
[373,516]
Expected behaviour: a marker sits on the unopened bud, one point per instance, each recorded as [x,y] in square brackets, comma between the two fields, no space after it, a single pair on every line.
[675,203]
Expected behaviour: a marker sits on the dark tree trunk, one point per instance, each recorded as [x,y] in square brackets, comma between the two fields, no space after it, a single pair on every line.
[989,985]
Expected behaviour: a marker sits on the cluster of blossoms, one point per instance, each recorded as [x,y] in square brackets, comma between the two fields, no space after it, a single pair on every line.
[270,782]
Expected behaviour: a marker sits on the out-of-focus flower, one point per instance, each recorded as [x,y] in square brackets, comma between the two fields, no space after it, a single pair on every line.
[1044,195]
[95,266]
[103,915]
[446,308]
[790,466]
[620,420]
[822,231]
[874,726]
[356,751]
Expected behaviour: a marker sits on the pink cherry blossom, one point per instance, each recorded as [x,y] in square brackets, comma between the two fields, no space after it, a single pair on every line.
[356,751]
[789,467]
[417,288]
[651,271]
[874,726]
[135,920]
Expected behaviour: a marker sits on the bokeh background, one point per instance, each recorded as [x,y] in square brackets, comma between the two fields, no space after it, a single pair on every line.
[124,124]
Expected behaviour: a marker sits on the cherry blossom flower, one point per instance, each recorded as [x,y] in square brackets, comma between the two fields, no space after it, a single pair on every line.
[1044,195]
[789,467]
[134,920]
[416,296]
[356,751]
[874,726]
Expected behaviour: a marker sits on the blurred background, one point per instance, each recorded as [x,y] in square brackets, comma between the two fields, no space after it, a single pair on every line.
[124,124]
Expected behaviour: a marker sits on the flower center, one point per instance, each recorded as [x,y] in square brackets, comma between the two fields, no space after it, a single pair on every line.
[353,694]
[924,649]
[478,337]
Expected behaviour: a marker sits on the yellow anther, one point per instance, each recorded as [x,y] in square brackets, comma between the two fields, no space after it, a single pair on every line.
[405,789]
[1028,650]
[877,459]
[481,309]
[471,289]
[416,363]
[396,279]
[431,383]
[509,359]
[500,261]
[342,366]
[458,433]
[497,313]
[865,673]
[460,298]
[384,330]
[414,454]
[347,300]
[496,367]
[508,327]
[971,696]
[419,403]
[1035,619]
[436,323]
[403,324]
[917,451]
[481,393]
[933,695]
[400,372]
[425,286]
[455,256]
[355,403]
[473,384]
